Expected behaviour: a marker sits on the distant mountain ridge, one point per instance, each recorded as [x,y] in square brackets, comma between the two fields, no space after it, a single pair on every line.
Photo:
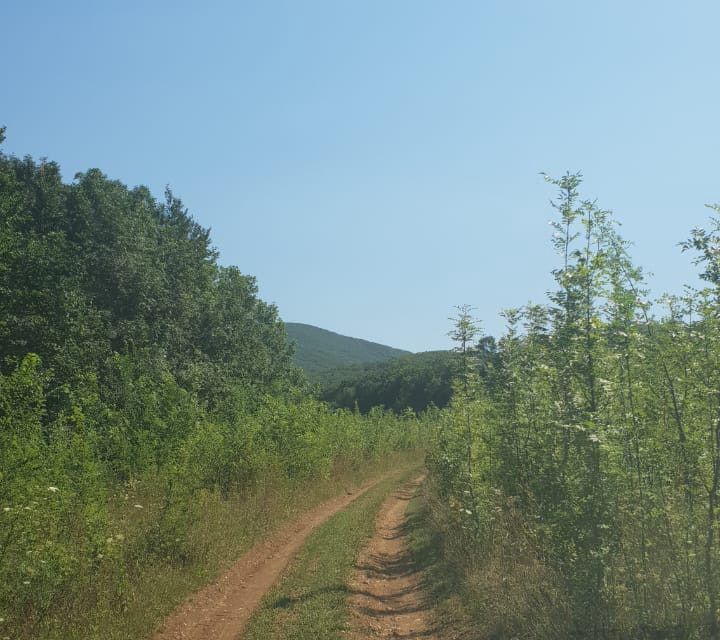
[317,350]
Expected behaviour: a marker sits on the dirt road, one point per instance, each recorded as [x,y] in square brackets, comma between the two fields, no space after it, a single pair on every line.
[388,598]
[221,610]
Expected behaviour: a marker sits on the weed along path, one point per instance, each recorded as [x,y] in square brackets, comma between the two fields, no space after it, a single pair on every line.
[388,598]
[221,610]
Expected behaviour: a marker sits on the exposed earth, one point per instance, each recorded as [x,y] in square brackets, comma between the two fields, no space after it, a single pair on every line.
[221,610]
[388,598]
[387,595]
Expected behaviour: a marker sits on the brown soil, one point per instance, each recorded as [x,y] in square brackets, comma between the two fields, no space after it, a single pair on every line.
[388,596]
[221,610]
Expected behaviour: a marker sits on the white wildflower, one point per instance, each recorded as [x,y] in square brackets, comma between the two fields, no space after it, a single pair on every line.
[53,489]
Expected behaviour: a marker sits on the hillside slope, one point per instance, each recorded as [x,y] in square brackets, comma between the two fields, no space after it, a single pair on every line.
[318,350]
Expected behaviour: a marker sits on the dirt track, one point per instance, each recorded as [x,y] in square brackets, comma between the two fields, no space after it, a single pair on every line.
[388,598]
[221,610]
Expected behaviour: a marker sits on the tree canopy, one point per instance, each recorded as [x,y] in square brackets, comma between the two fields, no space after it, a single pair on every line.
[93,268]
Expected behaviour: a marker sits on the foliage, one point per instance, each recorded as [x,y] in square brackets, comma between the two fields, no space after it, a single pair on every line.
[592,448]
[92,269]
[414,381]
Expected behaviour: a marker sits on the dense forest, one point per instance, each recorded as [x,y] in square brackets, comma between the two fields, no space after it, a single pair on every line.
[416,381]
[144,390]
[576,483]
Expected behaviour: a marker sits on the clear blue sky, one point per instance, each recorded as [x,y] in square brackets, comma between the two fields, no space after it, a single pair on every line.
[374,163]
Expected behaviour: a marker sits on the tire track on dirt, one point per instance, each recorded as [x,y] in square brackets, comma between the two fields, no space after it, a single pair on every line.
[221,610]
[388,597]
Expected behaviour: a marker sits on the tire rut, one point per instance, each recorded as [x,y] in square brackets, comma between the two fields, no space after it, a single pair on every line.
[388,596]
[221,610]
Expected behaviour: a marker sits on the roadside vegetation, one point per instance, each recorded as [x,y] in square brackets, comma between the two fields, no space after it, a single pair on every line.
[574,485]
[152,425]
[445,586]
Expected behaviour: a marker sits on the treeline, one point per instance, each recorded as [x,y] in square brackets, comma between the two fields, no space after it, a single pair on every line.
[576,486]
[92,268]
[415,381]
[142,387]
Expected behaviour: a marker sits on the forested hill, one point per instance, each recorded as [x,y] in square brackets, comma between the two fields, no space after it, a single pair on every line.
[318,350]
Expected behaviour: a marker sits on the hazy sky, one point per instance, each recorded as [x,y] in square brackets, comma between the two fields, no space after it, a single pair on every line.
[374,163]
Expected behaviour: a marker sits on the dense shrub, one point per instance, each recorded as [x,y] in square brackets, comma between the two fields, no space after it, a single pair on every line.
[593,447]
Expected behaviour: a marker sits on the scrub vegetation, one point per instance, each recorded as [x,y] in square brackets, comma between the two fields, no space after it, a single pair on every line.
[575,481]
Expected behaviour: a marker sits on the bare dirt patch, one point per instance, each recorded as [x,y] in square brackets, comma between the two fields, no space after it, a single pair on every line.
[221,610]
[388,596]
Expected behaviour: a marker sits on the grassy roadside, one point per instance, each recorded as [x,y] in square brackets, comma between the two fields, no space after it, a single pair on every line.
[450,603]
[310,602]
[229,527]
[477,596]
